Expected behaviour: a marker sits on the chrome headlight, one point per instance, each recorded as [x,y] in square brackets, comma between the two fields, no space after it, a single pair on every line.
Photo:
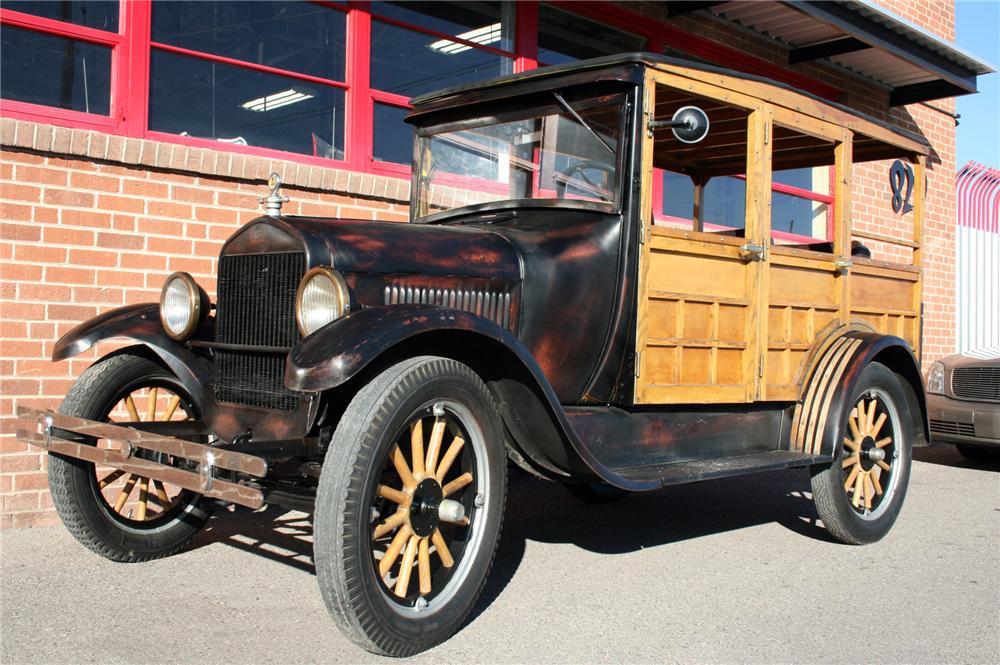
[182,303]
[935,379]
[322,297]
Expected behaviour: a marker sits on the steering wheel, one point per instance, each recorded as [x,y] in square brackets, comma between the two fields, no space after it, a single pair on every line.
[578,170]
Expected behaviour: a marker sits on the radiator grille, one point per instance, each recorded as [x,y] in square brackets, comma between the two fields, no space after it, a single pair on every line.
[493,305]
[256,307]
[976,383]
[948,427]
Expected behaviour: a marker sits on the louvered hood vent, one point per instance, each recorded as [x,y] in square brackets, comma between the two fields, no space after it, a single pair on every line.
[493,305]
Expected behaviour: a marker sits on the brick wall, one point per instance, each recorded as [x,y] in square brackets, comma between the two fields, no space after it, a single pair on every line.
[91,222]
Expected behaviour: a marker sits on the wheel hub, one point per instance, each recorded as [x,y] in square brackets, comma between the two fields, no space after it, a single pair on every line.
[427,498]
[867,458]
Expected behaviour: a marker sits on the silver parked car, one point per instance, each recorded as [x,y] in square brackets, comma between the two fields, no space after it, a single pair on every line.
[963,403]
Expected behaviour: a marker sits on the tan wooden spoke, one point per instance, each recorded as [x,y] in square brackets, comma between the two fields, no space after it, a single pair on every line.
[146,485]
[407,548]
[861,484]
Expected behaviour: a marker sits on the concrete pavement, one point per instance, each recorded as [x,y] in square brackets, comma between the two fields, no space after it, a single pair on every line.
[727,571]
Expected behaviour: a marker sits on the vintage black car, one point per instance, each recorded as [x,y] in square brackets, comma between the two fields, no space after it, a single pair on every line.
[536,309]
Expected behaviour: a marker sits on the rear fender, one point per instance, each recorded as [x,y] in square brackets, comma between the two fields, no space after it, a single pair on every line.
[818,422]
[139,323]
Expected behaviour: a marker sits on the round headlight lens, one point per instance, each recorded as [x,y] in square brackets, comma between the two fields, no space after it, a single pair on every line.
[935,379]
[180,305]
[322,297]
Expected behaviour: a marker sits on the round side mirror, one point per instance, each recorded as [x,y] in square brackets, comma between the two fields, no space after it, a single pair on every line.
[689,124]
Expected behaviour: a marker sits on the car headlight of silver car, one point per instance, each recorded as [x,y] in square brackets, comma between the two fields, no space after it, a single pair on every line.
[322,297]
[182,305]
[935,379]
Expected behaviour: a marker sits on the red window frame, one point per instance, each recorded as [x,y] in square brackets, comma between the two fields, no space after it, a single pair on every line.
[132,47]
[781,188]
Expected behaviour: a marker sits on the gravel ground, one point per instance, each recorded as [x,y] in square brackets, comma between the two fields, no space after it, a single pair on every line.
[732,570]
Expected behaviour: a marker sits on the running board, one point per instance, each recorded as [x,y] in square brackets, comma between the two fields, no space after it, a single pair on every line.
[692,471]
[60,434]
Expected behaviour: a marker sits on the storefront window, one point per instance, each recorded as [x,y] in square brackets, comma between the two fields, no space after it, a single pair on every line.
[565,37]
[393,137]
[97,14]
[77,74]
[201,96]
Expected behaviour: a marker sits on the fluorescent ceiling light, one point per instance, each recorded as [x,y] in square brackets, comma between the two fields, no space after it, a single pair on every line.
[488,34]
[277,100]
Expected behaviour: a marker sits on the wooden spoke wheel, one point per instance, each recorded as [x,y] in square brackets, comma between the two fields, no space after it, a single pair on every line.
[870,452]
[409,505]
[859,495]
[424,506]
[124,516]
[130,496]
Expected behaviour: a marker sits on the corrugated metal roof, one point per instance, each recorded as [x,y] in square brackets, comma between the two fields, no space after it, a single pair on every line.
[873,42]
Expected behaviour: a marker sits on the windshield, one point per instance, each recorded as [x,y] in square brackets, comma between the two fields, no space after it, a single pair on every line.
[568,149]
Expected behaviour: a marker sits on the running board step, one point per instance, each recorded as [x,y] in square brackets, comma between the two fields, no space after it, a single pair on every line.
[58,433]
[691,471]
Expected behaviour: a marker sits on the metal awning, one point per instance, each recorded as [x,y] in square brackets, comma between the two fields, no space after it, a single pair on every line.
[860,36]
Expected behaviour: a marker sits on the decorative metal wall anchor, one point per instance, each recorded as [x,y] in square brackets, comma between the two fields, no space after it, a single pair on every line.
[900,174]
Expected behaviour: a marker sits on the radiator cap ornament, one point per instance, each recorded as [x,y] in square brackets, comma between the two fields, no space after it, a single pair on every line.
[272,202]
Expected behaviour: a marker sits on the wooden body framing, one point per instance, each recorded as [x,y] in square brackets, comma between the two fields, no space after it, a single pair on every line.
[714,324]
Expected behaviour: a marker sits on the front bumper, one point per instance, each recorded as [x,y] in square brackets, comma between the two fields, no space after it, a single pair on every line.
[959,421]
[67,435]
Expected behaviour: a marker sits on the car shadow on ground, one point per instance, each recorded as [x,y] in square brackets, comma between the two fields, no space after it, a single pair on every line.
[948,455]
[544,512]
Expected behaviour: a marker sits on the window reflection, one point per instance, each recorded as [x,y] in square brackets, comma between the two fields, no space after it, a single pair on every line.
[295,36]
[97,14]
[565,37]
[205,99]
[393,137]
[77,75]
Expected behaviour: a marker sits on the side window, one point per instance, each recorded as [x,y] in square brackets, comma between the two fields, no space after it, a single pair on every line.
[801,190]
[700,186]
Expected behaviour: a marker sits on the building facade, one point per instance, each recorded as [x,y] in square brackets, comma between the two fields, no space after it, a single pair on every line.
[136,136]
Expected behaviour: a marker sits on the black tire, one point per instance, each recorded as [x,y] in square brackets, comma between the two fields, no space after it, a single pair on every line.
[596,492]
[79,501]
[363,604]
[844,511]
[975,453]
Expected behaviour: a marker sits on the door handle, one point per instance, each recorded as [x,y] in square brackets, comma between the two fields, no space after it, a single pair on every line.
[752,252]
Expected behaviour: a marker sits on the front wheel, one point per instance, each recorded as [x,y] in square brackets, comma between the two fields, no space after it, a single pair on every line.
[859,496]
[409,506]
[123,516]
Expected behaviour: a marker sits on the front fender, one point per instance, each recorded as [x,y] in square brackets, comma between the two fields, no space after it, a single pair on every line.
[337,352]
[334,354]
[140,323]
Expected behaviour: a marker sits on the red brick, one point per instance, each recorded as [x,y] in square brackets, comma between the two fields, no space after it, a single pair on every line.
[24,193]
[120,203]
[71,312]
[95,182]
[85,218]
[20,232]
[68,197]
[92,257]
[60,235]
[15,212]
[120,241]
[42,175]
[168,209]
[14,463]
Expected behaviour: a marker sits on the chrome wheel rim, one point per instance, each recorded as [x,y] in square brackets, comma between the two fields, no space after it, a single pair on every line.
[419,556]
[871,454]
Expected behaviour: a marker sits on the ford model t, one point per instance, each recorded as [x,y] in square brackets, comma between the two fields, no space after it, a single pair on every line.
[621,274]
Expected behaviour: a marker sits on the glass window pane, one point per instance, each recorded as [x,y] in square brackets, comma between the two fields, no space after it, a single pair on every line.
[98,14]
[296,36]
[678,195]
[797,216]
[565,37]
[479,22]
[393,140]
[55,71]
[411,63]
[204,99]
[725,204]
[541,153]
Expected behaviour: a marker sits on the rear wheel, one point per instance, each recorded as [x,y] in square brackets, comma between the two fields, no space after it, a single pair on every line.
[409,506]
[123,516]
[859,496]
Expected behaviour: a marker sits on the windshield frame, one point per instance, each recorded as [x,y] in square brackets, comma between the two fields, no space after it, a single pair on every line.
[535,106]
